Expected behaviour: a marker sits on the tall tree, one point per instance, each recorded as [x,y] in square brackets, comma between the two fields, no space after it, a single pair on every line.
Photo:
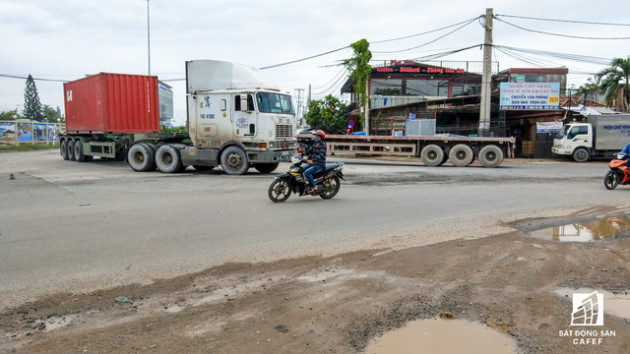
[329,114]
[614,83]
[589,90]
[360,69]
[32,105]
[51,114]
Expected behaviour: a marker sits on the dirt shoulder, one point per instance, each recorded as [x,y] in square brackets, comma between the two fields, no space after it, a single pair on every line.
[337,304]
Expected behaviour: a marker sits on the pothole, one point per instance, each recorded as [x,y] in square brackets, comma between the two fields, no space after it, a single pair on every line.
[589,231]
[442,336]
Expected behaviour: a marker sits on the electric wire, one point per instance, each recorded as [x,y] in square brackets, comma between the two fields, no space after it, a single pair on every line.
[560,34]
[335,77]
[443,54]
[34,78]
[304,59]
[566,56]
[427,43]
[423,33]
[330,88]
[376,42]
[565,21]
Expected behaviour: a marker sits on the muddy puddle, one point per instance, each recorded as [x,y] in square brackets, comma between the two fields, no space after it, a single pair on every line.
[442,336]
[594,230]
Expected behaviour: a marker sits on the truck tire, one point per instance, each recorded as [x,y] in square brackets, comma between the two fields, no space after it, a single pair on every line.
[234,161]
[78,151]
[266,167]
[70,150]
[63,149]
[490,156]
[461,155]
[581,155]
[168,159]
[140,158]
[432,155]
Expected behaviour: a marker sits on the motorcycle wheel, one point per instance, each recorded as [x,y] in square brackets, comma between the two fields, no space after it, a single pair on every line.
[279,191]
[611,180]
[331,187]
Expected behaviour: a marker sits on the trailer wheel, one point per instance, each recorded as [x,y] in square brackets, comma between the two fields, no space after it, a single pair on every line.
[581,155]
[432,155]
[63,149]
[490,156]
[266,167]
[234,161]
[140,158]
[461,155]
[70,150]
[78,151]
[168,159]
[152,151]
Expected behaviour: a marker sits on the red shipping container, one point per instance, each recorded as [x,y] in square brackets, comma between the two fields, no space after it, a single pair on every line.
[112,103]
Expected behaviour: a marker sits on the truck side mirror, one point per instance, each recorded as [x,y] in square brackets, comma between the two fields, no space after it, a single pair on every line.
[243,103]
[247,104]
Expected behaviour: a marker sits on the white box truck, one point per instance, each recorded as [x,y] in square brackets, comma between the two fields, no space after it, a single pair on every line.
[601,136]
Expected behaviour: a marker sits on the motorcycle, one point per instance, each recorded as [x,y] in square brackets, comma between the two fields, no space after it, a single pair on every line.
[619,172]
[293,181]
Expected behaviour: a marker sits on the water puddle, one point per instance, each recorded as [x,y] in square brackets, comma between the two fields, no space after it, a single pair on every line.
[584,232]
[614,304]
[442,336]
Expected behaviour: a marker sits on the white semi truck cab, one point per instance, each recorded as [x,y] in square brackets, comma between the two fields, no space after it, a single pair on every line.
[236,118]
[600,137]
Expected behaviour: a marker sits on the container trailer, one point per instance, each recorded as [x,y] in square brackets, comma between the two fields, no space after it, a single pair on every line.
[236,118]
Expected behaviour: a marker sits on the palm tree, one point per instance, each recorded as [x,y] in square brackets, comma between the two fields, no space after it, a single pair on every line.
[615,84]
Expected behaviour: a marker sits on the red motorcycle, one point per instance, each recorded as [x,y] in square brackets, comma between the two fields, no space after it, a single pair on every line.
[619,172]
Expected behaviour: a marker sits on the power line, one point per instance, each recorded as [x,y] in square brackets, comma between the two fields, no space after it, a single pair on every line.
[443,54]
[560,34]
[339,73]
[565,21]
[376,42]
[423,33]
[427,43]
[26,77]
[303,59]
[573,57]
[330,88]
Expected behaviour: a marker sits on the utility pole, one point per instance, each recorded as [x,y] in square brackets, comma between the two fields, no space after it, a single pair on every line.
[149,37]
[299,111]
[486,78]
[366,128]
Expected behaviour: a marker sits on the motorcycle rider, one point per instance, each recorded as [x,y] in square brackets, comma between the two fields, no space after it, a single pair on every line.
[626,150]
[317,159]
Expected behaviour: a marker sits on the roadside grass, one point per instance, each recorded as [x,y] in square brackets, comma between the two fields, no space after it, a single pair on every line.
[28,147]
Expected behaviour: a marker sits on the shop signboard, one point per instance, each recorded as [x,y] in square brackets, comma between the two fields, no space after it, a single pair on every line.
[530,96]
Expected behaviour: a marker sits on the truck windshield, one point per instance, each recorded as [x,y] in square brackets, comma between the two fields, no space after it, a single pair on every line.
[563,131]
[274,103]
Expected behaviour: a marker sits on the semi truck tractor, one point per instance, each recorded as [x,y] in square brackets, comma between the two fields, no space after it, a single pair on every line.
[600,136]
[236,118]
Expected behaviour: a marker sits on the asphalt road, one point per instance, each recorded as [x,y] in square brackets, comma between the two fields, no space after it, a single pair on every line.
[68,226]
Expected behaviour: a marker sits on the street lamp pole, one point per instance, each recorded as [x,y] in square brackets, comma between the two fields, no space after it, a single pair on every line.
[149,36]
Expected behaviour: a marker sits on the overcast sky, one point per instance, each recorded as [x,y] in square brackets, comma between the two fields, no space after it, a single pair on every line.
[67,39]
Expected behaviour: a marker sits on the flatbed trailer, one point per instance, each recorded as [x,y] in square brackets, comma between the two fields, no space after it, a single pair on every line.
[433,150]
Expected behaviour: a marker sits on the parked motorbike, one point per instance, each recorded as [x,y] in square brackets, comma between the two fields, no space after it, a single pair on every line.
[619,172]
[293,181]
